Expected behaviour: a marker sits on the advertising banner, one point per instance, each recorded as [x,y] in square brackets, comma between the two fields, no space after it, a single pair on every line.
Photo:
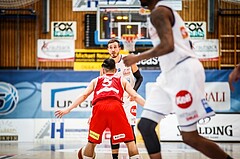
[60,95]
[55,50]
[91,5]
[206,50]
[83,58]
[35,94]
[16,130]
[221,127]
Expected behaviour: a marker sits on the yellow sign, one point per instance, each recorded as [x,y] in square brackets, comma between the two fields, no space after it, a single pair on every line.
[91,59]
[87,66]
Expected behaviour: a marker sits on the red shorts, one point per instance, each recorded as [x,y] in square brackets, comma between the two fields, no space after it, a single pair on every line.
[109,114]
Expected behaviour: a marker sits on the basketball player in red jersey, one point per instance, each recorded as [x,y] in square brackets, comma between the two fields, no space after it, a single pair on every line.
[107,111]
[134,77]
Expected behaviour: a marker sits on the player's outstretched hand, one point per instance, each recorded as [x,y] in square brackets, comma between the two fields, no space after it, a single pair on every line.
[60,113]
[130,60]
[234,76]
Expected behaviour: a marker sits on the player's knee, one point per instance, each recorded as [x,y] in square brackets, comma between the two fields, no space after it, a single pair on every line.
[146,126]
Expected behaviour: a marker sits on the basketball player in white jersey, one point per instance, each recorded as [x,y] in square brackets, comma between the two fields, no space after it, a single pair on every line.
[134,77]
[179,88]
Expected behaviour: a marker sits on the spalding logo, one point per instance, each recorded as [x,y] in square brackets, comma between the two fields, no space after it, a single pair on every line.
[8,98]
[184,99]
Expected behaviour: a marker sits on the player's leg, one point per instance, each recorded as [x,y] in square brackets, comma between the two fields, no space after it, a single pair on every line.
[123,132]
[192,138]
[132,150]
[157,105]
[115,147]
[87,152]
[97,125]
[196,106]
[115,150]
[133,132]
[149,135]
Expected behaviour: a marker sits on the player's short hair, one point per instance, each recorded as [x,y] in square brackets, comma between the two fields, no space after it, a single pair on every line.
[114,40]
[108,64]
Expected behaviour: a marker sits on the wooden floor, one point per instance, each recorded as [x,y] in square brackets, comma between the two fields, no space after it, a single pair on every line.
[68,150]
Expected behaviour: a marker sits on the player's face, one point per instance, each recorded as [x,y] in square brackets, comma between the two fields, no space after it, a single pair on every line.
[114,49]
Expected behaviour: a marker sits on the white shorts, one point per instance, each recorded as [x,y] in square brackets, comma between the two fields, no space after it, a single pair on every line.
[130,108]
[179,91]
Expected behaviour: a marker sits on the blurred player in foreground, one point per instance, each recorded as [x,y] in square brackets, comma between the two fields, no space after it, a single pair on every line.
[179,88]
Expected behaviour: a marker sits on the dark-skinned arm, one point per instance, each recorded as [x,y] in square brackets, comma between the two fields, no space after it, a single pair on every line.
[162,20]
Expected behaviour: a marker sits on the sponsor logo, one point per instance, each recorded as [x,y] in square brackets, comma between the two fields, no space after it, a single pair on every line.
[189,116]
[55,48]
[218,95]
[126,71]
[196,29]
[184,99]
[207,108]
[152,62]
[64,29]
[107,89]
[8,138]
[60,130]
[133,110]
[8,98]
[94,135]
[8,132]
[216,130]
[119,136]
[183,32]
[204,121]
[62,94]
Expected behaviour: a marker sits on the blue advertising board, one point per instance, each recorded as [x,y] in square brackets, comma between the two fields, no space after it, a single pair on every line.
[38,93]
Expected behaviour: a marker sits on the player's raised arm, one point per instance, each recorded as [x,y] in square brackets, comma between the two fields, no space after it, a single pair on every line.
[79,100]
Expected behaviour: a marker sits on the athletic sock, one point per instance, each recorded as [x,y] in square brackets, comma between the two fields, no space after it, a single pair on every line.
[135,157]
[86,157]
[115,156]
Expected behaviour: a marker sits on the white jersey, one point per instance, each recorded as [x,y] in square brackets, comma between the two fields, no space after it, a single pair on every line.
[130,107]
[182,49]
[125,72]
[179,88]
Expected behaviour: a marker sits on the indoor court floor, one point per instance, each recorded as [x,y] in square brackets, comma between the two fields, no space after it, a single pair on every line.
[68,150]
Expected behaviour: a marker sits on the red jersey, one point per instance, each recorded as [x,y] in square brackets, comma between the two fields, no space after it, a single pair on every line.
[108,86]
